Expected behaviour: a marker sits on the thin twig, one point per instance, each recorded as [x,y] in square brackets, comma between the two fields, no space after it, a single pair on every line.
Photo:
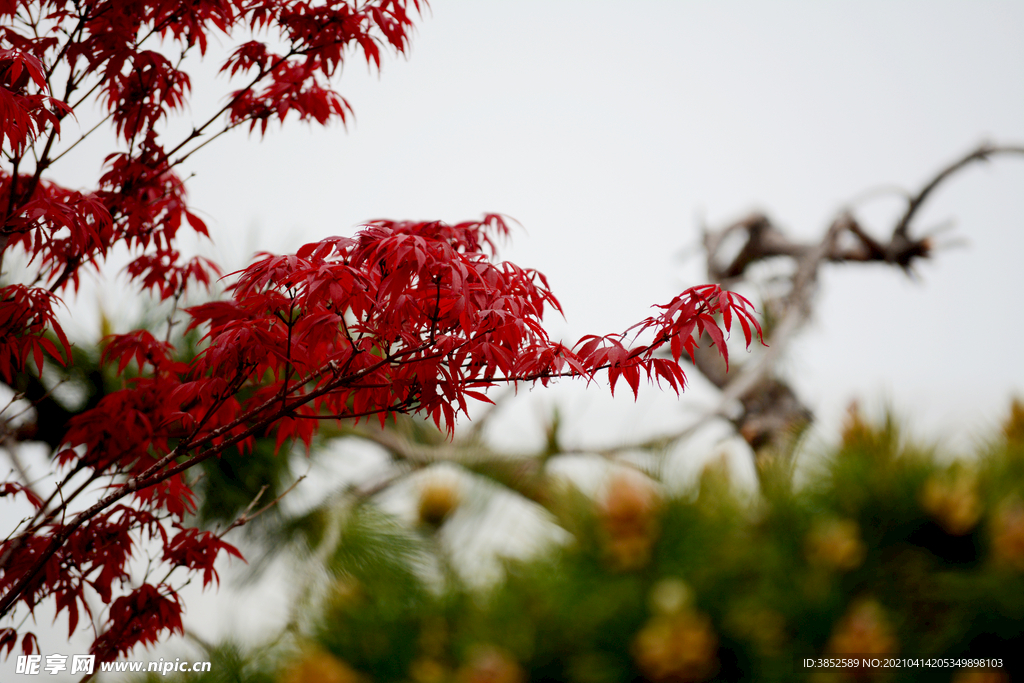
[982,153]
[246,517]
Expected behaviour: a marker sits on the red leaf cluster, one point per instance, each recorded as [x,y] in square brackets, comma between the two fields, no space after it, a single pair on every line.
[197,550]
[139,617]
[57,57]
[403,317]
[26,313]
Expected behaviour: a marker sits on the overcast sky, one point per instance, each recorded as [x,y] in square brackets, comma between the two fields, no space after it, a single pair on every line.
[609,130]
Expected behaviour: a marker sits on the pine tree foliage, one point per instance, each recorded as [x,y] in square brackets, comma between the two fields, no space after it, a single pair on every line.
[884,550]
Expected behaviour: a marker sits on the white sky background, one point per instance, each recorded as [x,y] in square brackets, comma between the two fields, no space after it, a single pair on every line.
[609,130]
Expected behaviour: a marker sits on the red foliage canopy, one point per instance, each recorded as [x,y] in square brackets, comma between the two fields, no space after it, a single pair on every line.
[401,318]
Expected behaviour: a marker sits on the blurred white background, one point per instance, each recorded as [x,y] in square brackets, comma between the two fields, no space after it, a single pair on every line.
[610,131]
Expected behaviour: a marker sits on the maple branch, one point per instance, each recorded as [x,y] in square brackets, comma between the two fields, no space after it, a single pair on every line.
[87,94]
[138,93]
[19,466]
[82,137]
[12,199]
[316,374]
[248,515]
[43,161]
[245,517]
[257,426]
[60,509]
[197,132]
[44,507]
[155,474]
[83,18]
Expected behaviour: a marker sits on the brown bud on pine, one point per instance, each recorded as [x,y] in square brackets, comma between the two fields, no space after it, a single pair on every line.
[629,516]
[863,630]
[681,648]
[319,666]
[1013,428]
[952,500]
[835,544]
[1008,535]
[440,495]
[490,664]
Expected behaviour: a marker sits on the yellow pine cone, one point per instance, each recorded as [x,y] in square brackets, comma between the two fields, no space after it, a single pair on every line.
[952,501]
[680,648]
[318,666]
[669,596]
[490,664]
[863,630]
[1013,428]
[629,517]
[855,427]
[835,544]
[440,495]
[1008,535]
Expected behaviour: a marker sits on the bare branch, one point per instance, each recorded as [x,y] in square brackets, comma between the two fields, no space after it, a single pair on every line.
[768,403]
[982,153]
